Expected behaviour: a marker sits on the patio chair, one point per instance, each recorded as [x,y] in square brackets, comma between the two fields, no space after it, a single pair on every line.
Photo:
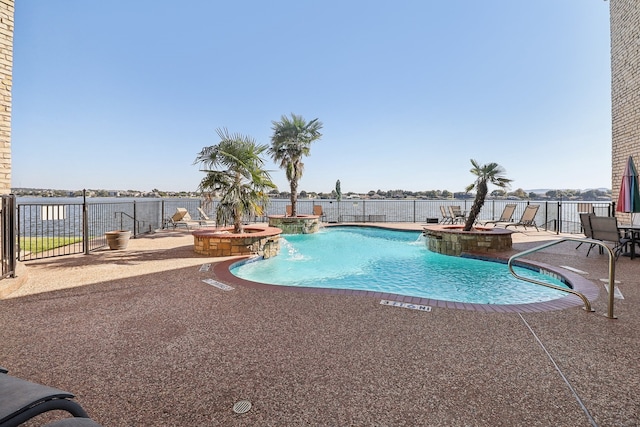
[507,214]
[585,221]
[528,218]
[457,214]
[585,208]
[182,217]
[446,215]
[205,220]
[317,210]
[22,400]
[605,229]
[289,210]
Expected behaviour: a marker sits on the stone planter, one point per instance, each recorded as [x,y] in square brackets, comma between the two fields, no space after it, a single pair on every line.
[452,240]
[222,242]
[118,240]
[301,224]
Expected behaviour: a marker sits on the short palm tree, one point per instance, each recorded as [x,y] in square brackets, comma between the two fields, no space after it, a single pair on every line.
[291,140]
[234,168]
[490,173]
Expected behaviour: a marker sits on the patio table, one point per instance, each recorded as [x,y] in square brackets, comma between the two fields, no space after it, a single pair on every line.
[633,232]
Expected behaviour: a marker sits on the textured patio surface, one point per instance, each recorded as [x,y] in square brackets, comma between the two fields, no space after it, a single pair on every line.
[142,341]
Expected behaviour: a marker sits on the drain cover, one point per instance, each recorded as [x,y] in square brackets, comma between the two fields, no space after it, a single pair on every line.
[241,407]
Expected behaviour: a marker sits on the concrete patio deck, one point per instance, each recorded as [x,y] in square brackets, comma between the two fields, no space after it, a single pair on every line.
[141,340]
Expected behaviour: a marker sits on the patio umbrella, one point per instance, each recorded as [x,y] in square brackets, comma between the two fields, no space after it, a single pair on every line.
[629,197]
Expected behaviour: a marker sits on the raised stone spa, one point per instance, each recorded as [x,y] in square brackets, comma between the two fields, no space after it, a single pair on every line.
[301,224]
[222,242]
[452,240]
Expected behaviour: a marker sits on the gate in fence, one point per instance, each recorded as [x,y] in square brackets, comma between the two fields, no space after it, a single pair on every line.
[8,230]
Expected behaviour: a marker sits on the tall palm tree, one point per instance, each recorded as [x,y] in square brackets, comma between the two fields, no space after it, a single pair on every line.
[291,140]
[235,169]
[490,173]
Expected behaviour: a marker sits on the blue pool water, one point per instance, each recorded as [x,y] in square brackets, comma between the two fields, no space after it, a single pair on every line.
[392,261]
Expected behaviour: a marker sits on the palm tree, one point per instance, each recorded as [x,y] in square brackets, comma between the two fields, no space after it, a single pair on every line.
[291,140]
[235,169]
[489,173]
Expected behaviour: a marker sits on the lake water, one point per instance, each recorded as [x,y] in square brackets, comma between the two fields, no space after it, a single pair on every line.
[154,210]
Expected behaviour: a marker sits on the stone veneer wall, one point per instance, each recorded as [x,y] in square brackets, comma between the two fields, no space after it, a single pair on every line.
[6,79]
[454,242]
[217,245]
[625,88]
[306,224]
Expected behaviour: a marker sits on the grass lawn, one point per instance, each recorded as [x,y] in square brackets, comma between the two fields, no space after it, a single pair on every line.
[43,244]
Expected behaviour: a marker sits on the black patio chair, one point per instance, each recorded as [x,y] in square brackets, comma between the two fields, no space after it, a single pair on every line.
[22,400]
[605,229]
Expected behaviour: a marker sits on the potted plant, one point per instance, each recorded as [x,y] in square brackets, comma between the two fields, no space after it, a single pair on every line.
[118,239]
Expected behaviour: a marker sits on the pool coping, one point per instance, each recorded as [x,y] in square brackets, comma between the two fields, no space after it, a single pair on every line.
[222,271]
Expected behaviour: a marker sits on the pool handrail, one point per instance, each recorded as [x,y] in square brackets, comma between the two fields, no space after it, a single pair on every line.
[587,304]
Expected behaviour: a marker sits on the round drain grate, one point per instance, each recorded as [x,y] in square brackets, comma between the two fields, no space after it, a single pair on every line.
[241,407]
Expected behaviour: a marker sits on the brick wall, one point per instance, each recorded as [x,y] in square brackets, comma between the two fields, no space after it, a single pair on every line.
[6,69]
[625,87]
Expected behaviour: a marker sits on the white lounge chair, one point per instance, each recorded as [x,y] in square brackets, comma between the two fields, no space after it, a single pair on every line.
[506,215]
[205,220]
[528,218]
[182,217]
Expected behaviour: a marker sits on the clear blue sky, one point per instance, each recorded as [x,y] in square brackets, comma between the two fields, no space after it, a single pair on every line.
[124,94]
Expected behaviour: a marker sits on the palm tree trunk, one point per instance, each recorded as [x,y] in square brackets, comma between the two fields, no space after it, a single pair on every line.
[237,222]
[481,194]
[294,198]
[237,216]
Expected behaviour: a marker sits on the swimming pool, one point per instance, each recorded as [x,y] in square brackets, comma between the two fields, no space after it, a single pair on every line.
[394,262]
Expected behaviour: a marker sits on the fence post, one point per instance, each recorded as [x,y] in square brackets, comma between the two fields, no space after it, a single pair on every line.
[135,223]
[9,236]
[414,210]
[559,216]
[85,223]
[162,214]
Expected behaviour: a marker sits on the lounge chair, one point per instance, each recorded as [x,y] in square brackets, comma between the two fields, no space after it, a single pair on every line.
[22,400]
[205,220]
[528,218]
[182,217]
[317,210]
[447,218]
[507,214]
[457,214]
[605,229]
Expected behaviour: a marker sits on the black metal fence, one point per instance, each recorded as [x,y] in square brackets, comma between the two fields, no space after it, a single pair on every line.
[59,227]
[558,216]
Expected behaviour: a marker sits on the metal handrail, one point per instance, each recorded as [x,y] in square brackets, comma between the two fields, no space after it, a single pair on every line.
[136,222]
[587,304]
